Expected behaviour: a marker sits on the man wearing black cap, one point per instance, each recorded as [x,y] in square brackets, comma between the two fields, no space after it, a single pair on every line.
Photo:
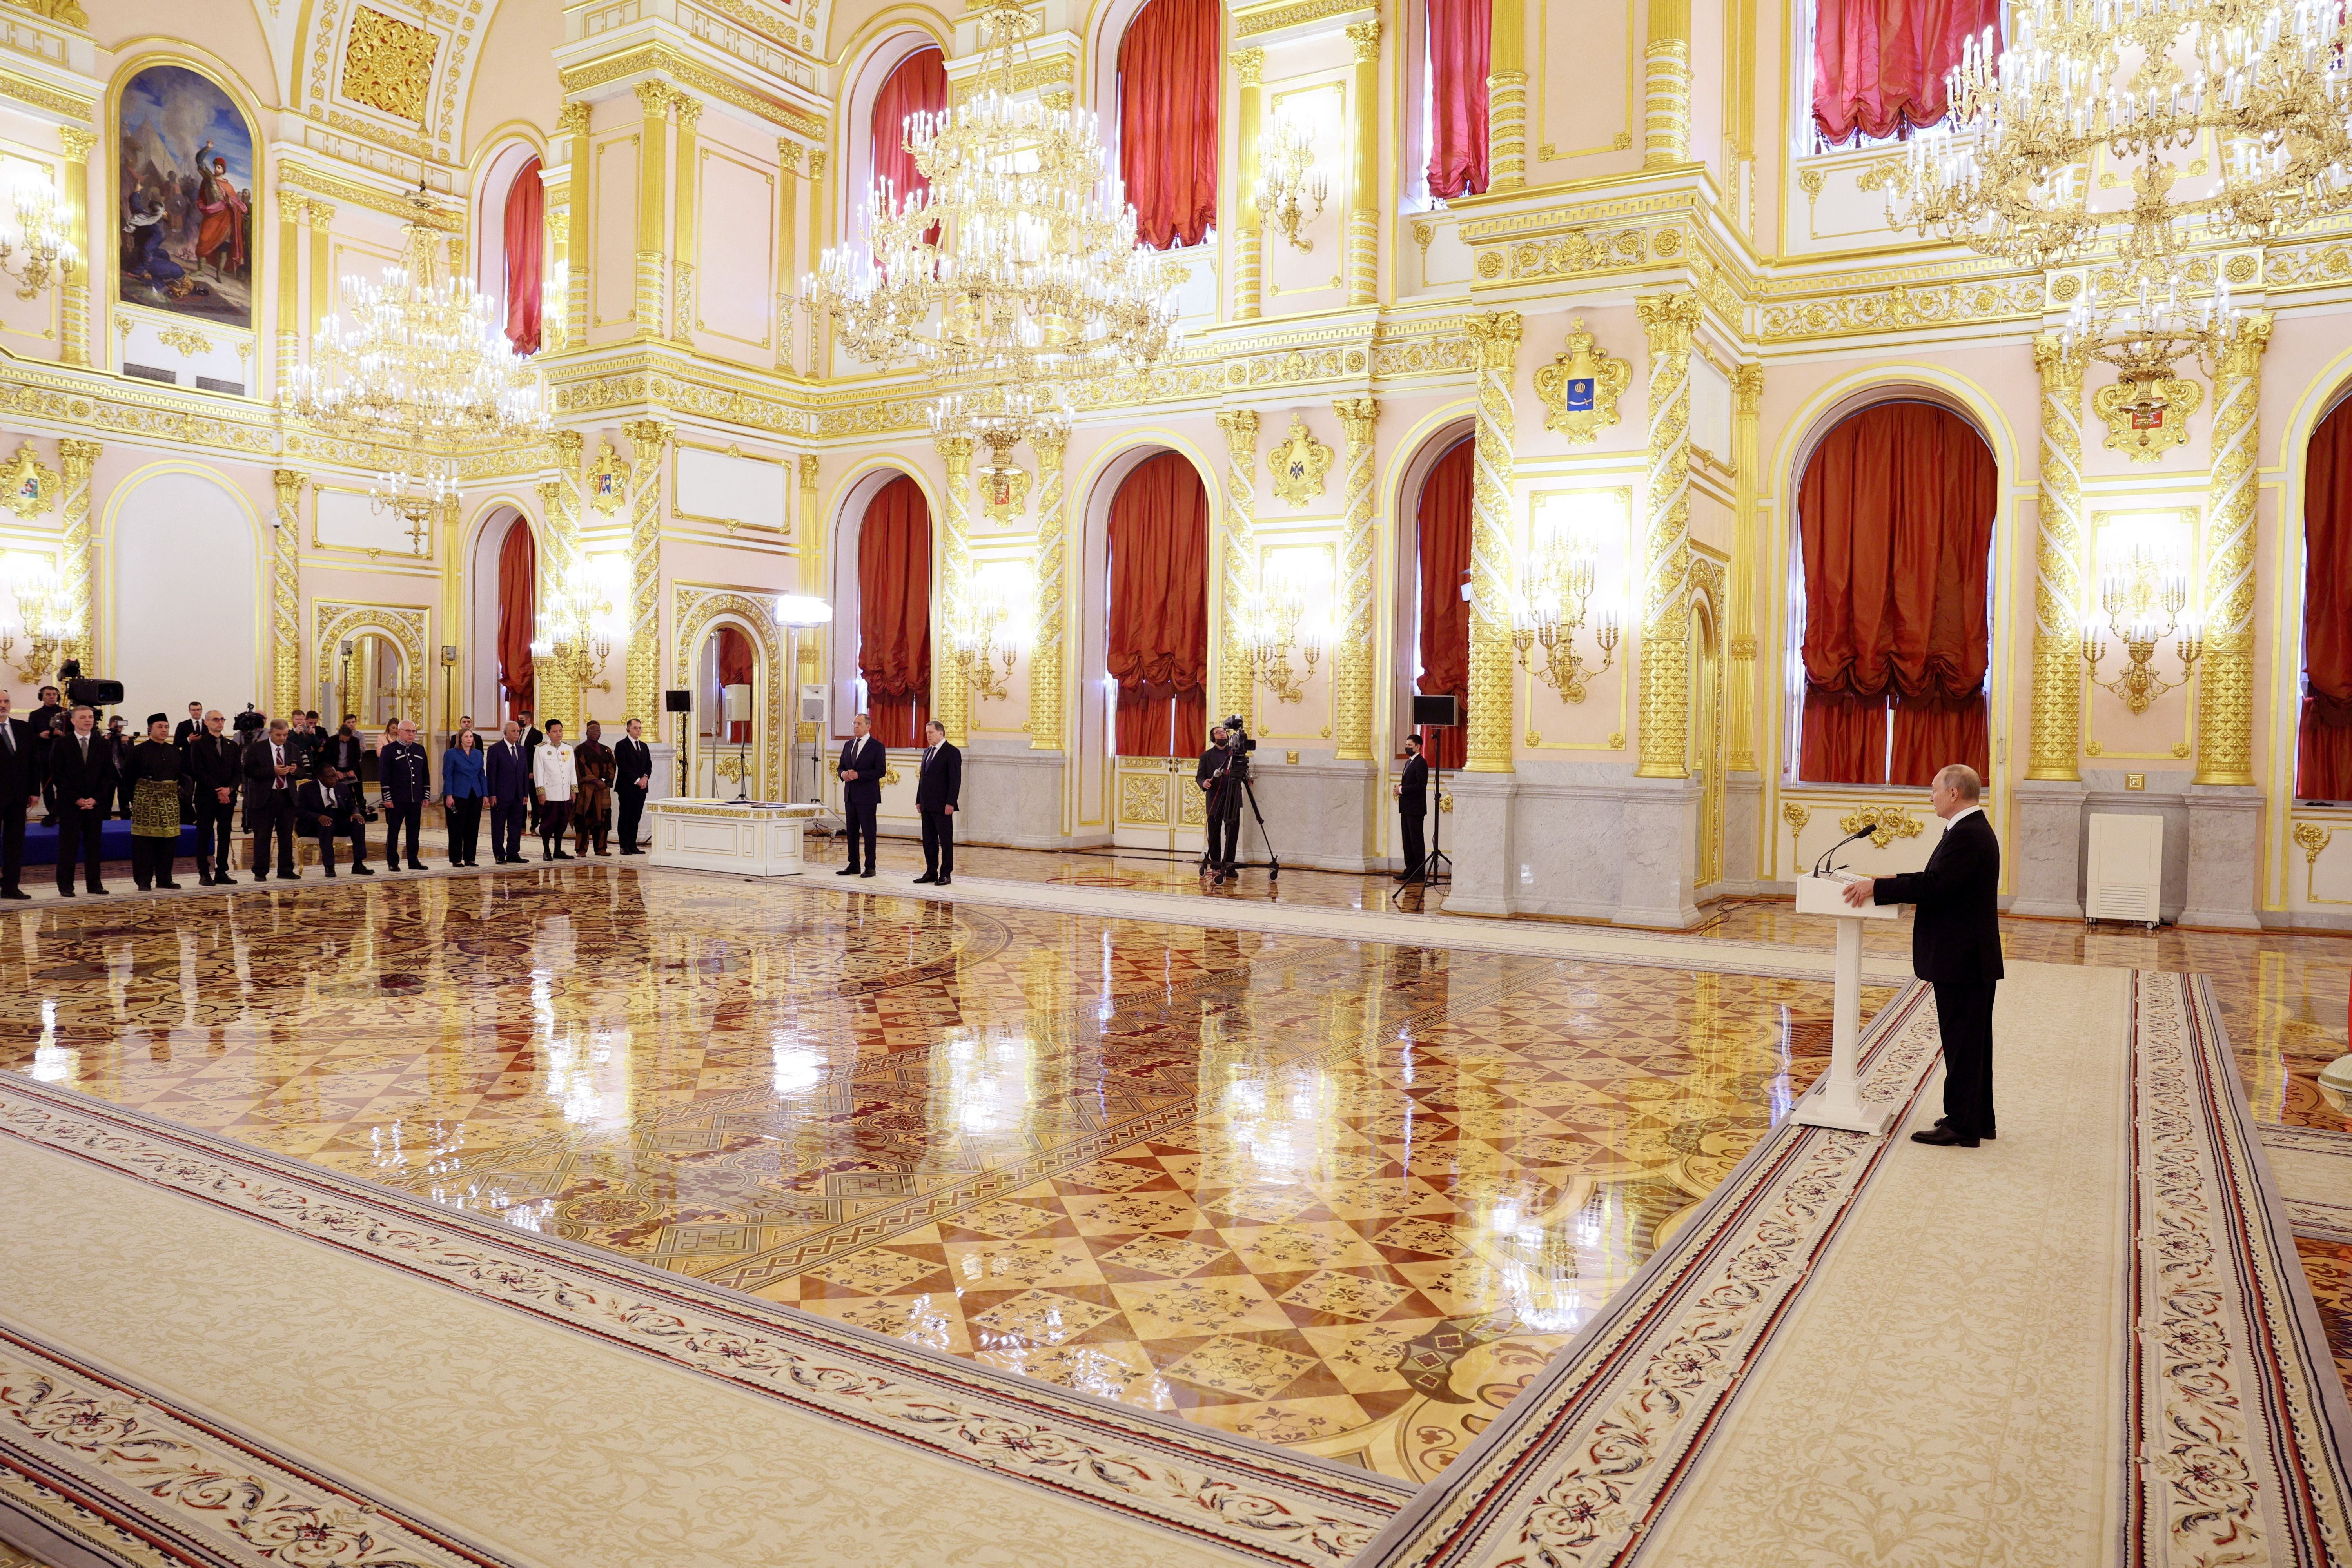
[151,771]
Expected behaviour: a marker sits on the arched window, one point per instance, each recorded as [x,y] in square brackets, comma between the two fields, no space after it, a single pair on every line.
[518,617]
[1158,619]
[1895,527]
[916,85]
[1168,88]
[525,256]
[1880,65]
[894,611]
[1453,96]
[2323,753]
[1443,531]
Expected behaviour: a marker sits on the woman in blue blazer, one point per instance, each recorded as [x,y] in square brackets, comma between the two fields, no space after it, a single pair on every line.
[461,797]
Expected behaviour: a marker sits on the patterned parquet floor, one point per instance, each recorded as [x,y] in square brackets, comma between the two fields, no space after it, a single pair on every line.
[1344,1196]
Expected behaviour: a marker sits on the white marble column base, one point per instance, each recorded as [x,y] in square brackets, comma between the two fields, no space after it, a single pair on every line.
[1660,839]
[2043,848]
[2224,856]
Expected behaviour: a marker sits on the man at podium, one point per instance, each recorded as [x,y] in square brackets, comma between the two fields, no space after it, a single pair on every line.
[1956,949]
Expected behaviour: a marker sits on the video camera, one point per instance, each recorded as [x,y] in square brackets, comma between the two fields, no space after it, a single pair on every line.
[81,692]
[1237,735]
[249,721]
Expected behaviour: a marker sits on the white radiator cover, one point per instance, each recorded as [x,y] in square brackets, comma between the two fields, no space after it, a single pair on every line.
[2123,874]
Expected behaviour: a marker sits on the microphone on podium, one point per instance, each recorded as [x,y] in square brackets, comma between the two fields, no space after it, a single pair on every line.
[1821,867]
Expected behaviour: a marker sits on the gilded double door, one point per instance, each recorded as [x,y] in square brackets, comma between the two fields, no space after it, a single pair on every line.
[1156,806]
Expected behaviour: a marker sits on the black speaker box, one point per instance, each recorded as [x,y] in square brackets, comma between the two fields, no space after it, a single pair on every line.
[678,702]
[1439,712]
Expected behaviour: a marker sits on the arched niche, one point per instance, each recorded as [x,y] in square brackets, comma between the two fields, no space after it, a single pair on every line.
[846,630]
[183,554]
[1405,506]
[892,41]
[483,555]
[508,158]
[700,612]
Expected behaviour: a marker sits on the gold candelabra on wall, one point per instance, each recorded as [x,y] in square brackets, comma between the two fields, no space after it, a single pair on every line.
[1554,603]
[1271,629]
[44,615]
[1288,179]
[2133,597]
[973,631]
[44,231]
[575,635]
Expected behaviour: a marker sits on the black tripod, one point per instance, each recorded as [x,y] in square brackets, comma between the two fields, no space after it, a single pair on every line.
[1218,794]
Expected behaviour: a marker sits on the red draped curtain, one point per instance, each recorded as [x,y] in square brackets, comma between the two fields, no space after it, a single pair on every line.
[1879,65]
[1444,534]
[1168,86]
[1160,609]
[1895,515]
[518,615]
[526,251]
[734,670]
[2323,757]
[894,612]
[1458,35]
[919,83]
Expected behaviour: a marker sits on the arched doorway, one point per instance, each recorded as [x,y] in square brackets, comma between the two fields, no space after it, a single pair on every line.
[726,685]
[2323,749]
[727,639]
[1435,565]
[1705,757]
[1156,651]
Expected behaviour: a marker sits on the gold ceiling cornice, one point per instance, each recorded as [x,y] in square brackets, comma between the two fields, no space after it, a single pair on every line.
[1254,20]
[303,176]
[660,59]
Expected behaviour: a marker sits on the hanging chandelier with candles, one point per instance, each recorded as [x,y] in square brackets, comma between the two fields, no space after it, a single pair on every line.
[422,373]
[1016,277]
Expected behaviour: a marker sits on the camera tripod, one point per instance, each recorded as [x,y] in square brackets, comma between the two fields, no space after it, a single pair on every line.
[1217,798]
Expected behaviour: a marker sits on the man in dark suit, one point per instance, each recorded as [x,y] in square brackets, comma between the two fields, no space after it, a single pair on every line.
[633,763]
[189,727]
[532,737]
[862,762]
[1221,769]
[20,789]
[273,765]
[215,766]
[1413,810]
[937,787]
[42,722]
[82,773]
[328,808]
[506,791]
[1954,948]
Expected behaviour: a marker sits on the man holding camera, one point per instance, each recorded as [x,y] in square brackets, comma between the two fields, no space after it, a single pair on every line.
[1223,771]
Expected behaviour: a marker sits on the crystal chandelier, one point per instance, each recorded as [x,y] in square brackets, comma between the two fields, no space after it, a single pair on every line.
[44,612]
[422,373]
[1016,275]
[2143,334]
[1554,603]
[2134,596]
[2234,112]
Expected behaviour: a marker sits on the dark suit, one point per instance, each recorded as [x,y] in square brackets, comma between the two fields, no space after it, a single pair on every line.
[506,775]
[532,739]
[861,796]
[20,779]
[78,773]
[1219,775]
[633,762]
[1413,816]
[39,721]
[938,786]
[270,808]
[404,780]
[214,762]
[1956,949]
[329,811]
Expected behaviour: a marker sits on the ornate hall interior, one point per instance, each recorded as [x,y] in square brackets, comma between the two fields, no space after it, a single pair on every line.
[1596,469]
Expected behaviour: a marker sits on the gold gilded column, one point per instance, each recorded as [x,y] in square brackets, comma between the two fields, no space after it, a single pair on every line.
[820,344]
[1237,562]
[1363,199]
[1046,652]
[1669,320]
[950,700]
[1495,337]
[1747,404]
[811,540]
[574,121]
[289,286]
[1249,224]
[1353,655]
[2225,679]
[2057,712]
[647,439]
[321,216]
[73,288]
[652,188]
[286,595]
[76,563]
[1506,96]
[788,204]
[1666,85]
[684,218]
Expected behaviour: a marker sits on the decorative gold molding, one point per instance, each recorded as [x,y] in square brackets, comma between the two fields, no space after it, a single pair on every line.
[2225,686]
[1495,440]
[286,593]
[30,485]
[391,203]
[1045,650]
[1670,321]
[36,94]
[694,607]
[660,59]
[1299,465]
[2130,428]
[1351,663]
[2057,700]
[1581,387]
[608,479]
[1237,559]
[1249,22]
[950,696]
[1887,824]
[388,65]
[641,695]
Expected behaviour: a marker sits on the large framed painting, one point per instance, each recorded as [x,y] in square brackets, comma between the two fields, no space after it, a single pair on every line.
[186,181]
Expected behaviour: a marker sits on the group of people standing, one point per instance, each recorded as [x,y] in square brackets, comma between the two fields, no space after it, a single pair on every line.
[297,777]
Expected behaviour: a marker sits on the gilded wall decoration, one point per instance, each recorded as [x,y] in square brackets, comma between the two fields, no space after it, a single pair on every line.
[1887,824]
[695,610]
[1299,465]
[184,202]
[1575,254]
[1903,308]
[2145,423]
[1002,488]
[388,64]
[608,480]
[1581,387]
[404,623]
[30,485]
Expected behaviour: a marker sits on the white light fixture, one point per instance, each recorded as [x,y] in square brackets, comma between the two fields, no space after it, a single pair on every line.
[801,611]
[43,232]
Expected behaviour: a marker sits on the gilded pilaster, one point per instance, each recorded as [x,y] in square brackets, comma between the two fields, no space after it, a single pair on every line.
[1747,404]
[2057,712]
[1496,340]
[1354,656]
[1506,96]
[951,701]
[812,539]
[1046,652]
[1669,320]
[1237,561]
[321,216]
[289,285]
[788,207]
[1249,238]
[563,513]
[286,595]
[686,215]
[1666,85]
[76,563]
[73,286]
[574,121]
[2225,679]
[652,190]
[1363,204]
[647,439]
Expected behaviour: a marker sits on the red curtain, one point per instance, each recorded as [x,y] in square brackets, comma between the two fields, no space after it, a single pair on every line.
[1879,65]
[1168,86]
[894,612]
[518,615]
[919,83]
[1445,533]
[1896,519]
[734,670]
[1458,33]
[2323,757]
[525,257]
[1160,609]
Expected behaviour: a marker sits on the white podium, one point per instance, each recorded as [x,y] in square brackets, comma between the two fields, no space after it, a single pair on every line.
[1835,1099]
[749,837]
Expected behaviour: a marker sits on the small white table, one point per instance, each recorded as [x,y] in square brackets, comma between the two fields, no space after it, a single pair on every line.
[1835,1101]
[748,837]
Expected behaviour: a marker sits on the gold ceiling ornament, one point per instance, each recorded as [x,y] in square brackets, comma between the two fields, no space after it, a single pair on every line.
[30,485]
[2146,416]
[388,64]
[1299,465]
[608,479]
[1287,180]
[1581,387]
[1887,824]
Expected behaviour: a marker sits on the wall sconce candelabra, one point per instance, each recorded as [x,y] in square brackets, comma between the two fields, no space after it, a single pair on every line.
[1287,180]
[575,635]
[1272,626]
[1554,603]
[974,630]
[2133,597]
[43,231]
[45,616]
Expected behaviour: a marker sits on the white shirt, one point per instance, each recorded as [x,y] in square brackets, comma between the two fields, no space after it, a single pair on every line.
[552,772]
[1956,817]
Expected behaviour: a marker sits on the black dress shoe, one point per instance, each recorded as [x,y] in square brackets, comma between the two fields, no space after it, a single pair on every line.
[866,873]
[169,887]
[1944,1138]
[13,893]
[926,880]
[95,888]
[261,876]
[1982,1137]
[847,871]
[560,854]
[330,872]
[362,871]
[945,881]
[65,893]
[416,865]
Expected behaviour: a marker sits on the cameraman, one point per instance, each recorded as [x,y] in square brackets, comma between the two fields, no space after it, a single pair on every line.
[1222,770]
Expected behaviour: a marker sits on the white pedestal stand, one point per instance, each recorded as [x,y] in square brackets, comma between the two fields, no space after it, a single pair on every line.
[1836,1099]
[750,837]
